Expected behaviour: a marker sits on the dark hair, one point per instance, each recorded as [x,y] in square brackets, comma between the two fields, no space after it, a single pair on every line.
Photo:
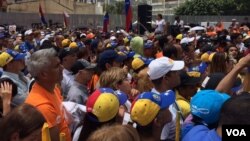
[162,41]
[207,47]
[218,63]
[160,16]
[90,125]
[157,82]
[170,51]
[14,86]
[145,131]
[199,121]
[83,52]
[185,47]
[24,119]
[46,44]
[234,36]
[236,110]
[230,46]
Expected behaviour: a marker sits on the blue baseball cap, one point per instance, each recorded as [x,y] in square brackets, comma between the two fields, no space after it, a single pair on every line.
[121,96]
[2,35]
[16,55]
[109,55]
[148,104]
[206,104]
[148,44]
[130,54]
[148,61]
[113,44]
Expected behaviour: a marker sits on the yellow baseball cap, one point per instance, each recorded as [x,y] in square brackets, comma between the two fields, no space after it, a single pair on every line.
[137,63]
[147,105]
[178,37]
[73,45]
[210,58]
[65,43]
[205,57]
[104,103]
[5,58]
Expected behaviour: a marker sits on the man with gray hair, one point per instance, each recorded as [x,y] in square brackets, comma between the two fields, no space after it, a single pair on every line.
[44,65]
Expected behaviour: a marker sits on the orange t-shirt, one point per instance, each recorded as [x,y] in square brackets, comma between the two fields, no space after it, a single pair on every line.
[50,105]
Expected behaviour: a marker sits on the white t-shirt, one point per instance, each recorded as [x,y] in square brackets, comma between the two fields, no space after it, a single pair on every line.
[241,47]
[181,23]
[160,26]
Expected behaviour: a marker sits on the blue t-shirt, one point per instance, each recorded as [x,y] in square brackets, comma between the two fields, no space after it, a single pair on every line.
[26,47]
[201,133]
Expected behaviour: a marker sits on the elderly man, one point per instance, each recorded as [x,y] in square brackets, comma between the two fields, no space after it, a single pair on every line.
[44,65]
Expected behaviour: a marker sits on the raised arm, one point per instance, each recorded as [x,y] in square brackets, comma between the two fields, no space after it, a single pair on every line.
[228,81]
[6,94]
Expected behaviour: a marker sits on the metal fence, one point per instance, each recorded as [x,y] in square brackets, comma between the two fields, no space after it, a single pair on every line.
[76,20]
[199,19]
[93,21]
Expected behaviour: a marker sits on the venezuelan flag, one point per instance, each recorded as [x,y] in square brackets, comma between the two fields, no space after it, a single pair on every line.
[129,15]
[42,15]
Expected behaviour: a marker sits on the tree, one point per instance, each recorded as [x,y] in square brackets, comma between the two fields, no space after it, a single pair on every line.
[214,7]
[116,8]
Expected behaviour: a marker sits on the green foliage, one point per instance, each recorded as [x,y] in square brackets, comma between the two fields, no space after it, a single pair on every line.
[115,8]
[214,7]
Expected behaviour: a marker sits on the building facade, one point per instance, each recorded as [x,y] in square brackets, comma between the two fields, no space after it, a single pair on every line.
[55,6]
[165,7]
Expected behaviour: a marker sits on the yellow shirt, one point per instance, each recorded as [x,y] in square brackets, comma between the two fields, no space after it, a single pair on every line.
[183,104]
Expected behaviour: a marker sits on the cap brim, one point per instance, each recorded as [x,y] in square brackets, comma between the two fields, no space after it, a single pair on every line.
[178,65]
[122,97]
[131,54]
[147,47]
[20,56]
[168,98]
[120,58]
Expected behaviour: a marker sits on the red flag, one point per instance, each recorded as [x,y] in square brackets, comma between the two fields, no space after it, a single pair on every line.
[42,15]
[129,15]
[66,19]
[105,22]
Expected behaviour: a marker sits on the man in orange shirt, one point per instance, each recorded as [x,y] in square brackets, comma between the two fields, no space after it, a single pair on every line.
[45,67]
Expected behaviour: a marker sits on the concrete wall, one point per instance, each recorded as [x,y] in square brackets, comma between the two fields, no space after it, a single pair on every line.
[75,20]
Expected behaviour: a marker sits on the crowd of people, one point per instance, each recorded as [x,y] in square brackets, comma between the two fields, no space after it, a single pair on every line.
[88,85]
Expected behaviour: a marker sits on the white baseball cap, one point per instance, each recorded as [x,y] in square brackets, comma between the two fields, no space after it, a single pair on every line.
[161,66]
[28,32]
[112,38]
[187,40]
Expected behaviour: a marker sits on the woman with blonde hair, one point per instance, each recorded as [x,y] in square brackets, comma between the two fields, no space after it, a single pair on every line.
[115,78]
[143,83]
[115,133]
